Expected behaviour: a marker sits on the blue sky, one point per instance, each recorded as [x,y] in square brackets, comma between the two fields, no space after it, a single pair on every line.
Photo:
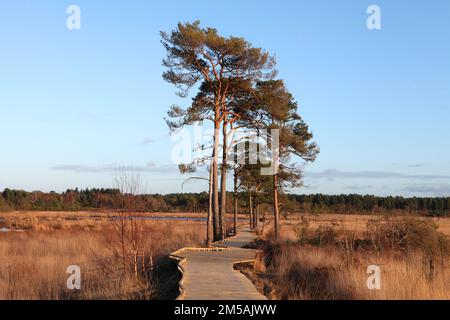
[76,103]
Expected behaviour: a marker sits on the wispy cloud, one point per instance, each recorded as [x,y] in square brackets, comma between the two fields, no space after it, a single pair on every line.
[337,174]
[439,189]
[150,167]
[358,187]
[146,141]
[416,165]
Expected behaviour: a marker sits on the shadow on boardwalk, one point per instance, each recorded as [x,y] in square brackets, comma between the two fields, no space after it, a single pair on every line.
[209,275]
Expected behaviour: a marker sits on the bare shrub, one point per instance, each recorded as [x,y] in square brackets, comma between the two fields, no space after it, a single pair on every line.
[322,235]
[412,235]
[129,236]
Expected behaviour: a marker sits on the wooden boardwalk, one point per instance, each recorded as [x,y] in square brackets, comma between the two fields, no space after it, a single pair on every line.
[209,275]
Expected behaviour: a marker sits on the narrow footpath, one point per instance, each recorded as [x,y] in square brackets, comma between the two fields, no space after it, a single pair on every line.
[209,275]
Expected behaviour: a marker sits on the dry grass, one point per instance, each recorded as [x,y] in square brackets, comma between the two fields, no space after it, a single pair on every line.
[330,270]
[323,273]
[33,262]
[81,220]
[352,222]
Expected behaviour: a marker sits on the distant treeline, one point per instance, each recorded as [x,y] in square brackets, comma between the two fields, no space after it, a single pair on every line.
[110,199]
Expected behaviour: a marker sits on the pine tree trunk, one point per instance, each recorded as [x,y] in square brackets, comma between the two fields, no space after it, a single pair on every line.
[223,182]
[250,207]
[255,216]
[235,203]
[275,206]
[210,210]
[215,188]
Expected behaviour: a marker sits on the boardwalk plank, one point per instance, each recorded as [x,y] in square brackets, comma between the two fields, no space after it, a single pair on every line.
[209,275]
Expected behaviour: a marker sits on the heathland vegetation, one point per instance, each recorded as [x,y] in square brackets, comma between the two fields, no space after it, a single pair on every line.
[328,259]
[117,261]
